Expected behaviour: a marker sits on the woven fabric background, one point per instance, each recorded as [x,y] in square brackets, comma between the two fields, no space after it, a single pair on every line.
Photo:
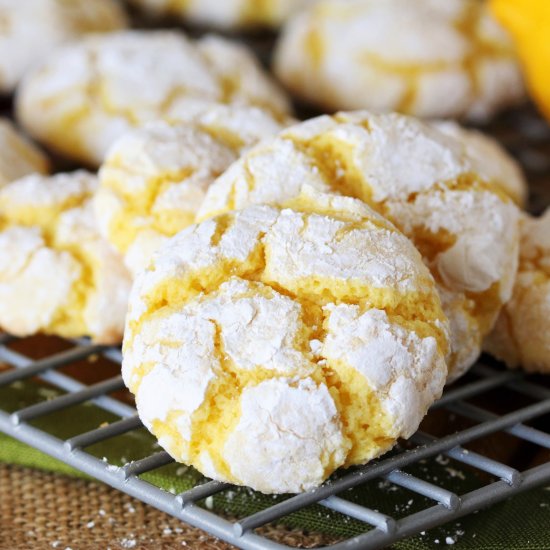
[44,510]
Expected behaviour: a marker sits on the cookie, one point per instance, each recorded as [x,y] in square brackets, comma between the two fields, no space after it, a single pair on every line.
[229,14]
[83,97]
[33,28]
[490,160]
[57,275]
[18,156]
[154,178]
[269,347]
[521,336]
[422,180]
[426,58]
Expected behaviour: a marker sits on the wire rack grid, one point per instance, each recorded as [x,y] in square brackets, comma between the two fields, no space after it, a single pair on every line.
[380,529]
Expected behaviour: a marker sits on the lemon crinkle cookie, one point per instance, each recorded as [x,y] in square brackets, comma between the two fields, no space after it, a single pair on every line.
[427,58]
[269,347]
[57,275]
[229,14]
[33,28]
[154,178]
[85,96]
[522,334]
[18,156]
[422,180]
[490,160]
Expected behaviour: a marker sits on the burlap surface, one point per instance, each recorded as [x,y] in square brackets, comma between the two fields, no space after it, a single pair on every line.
[41,510]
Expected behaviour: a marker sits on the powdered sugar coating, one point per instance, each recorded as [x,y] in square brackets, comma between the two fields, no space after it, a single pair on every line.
[155,177]
[490,160]
[229,14]
[278,405]
[278,414]
[381,351]
[30,195]
[18,156]
[426,58]
[521,336]
[473,263]
[27,305]
[31,29]
[325,249]
[83,97]
[425,181]
[56,273]
[237,126]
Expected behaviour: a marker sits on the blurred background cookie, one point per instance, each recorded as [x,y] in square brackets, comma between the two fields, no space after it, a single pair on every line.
[30,29]
[57,275]
[522,333]
[423,57]
[154,179]
[422,180]
[18,155]
[353,362]
[85,96]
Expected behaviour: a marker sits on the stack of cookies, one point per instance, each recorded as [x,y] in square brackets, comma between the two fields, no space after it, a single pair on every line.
[292,296]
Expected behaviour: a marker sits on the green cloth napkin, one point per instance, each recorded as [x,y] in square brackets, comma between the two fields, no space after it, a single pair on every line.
[520,523]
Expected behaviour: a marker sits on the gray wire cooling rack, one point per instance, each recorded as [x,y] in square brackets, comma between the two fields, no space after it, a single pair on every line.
[502,480]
